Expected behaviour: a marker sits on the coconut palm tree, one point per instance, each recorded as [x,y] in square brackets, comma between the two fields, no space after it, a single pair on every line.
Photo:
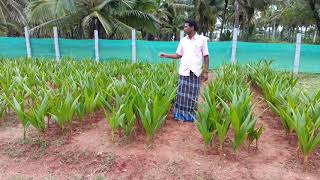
[80,17]
[223,17]
[315,8]
[12,17]
[172,14]
[206,13]
[249,8]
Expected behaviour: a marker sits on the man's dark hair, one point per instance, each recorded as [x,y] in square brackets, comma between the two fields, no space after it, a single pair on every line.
[192,23]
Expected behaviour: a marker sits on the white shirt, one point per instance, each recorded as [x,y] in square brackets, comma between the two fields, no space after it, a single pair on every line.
[192,51]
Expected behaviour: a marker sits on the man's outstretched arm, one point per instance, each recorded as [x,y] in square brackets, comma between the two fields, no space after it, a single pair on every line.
[172,56]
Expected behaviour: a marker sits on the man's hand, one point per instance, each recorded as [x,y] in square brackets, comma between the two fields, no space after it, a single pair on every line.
[205,76]
[162,55]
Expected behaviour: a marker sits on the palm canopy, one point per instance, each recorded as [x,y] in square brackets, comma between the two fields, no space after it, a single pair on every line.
[116,17]
[12,15]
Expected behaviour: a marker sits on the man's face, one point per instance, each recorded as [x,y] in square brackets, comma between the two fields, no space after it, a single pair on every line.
[187,29]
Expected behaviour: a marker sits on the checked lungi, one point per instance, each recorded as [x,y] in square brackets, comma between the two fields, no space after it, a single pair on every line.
[185,106]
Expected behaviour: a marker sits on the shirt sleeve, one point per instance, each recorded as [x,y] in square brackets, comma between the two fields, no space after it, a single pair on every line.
[205,50]
[180,49]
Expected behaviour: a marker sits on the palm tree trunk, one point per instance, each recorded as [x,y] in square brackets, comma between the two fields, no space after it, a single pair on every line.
[223,18]
[94,27]
[315,36]
[305,33]
[274,31]
[81,33]
[281,33]
[237,14]
[146,36]
[176,36]
[249,14]
[269,33]
[312,4]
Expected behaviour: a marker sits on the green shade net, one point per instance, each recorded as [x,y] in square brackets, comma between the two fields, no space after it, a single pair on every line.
[282,54]
[148,51]
[310,58]
[114,49]
[42,48]
[78,49]
[12,47]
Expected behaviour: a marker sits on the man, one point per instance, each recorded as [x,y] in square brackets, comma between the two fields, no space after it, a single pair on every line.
[192,50]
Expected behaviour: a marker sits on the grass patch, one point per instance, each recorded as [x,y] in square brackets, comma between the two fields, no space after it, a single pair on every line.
[310,82]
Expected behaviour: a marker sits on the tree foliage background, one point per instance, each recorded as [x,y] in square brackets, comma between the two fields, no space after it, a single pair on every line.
[259,20]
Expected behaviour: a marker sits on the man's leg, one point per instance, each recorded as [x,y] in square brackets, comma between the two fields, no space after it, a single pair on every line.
[187,97]
[177,111]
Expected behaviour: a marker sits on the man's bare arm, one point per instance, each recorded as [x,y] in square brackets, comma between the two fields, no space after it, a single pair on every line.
[206,68]
[206,63]
[172,56]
